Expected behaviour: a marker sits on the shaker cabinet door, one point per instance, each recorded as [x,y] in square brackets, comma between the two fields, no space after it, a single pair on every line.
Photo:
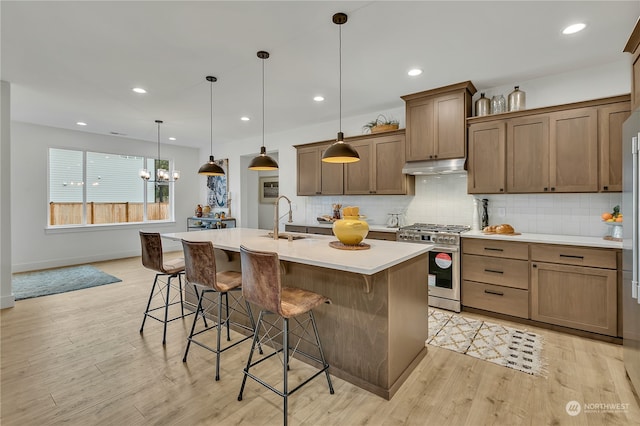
[528,154]
[487,158]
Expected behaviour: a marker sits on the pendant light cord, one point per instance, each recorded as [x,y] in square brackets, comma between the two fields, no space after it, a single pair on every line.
[340,75]
[263,102]
[158,141]
[211,121]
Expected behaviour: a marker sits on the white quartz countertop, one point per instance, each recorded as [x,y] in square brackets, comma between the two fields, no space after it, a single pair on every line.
[312,250]
[570,240]
[378,228]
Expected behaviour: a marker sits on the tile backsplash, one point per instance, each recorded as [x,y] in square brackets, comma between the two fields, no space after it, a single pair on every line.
[443,199]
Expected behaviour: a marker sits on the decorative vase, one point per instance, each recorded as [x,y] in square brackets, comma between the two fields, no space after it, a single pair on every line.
[517,99]
[350,230]
[483,106]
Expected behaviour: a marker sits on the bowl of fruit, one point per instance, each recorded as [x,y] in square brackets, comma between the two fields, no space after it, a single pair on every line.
[614,220]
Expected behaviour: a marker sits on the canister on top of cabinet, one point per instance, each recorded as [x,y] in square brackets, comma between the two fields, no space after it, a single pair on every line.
[517,99]
[483,106]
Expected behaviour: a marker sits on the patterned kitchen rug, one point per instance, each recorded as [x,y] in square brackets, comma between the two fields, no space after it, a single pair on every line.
[517,349]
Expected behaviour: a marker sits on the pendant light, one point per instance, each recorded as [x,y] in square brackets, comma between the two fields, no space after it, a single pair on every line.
[162,175]
[340,152]
[263,161]
[210,168]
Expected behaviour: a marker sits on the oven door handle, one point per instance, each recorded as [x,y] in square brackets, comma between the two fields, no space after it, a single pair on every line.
[446,249]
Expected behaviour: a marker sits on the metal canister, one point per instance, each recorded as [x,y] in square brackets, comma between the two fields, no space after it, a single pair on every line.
[483,106]
[516,99]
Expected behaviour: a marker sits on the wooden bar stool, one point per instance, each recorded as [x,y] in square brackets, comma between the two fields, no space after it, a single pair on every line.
[152,258]
[262,286]
[200,264]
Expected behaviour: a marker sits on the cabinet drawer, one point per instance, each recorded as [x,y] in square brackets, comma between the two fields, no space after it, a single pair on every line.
[381,235]
[295,228]
[505,272]
[319,231]
[495,248]
[570,255]
[504,300]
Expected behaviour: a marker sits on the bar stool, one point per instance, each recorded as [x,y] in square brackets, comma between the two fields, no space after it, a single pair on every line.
[262,285]
[152,258]
[200,264]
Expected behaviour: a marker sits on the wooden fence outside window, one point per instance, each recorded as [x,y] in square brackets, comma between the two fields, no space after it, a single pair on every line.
[102,213]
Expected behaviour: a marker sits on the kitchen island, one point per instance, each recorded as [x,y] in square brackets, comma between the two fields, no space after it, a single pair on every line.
[374,330]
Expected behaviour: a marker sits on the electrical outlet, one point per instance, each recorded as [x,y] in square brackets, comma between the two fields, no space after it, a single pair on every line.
[502,212]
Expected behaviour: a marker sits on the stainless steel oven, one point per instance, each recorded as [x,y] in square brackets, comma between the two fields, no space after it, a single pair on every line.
[443,279]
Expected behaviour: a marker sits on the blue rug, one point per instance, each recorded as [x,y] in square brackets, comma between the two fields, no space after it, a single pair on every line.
[53,281]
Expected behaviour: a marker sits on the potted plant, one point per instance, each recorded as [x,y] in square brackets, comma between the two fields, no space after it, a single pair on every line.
[381,124]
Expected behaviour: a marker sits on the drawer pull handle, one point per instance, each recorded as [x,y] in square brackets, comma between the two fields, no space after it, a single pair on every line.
[494,271]
[572,256]
[497,293]
[493,249]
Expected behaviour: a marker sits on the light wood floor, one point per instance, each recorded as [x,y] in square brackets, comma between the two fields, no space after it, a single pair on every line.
[77,358]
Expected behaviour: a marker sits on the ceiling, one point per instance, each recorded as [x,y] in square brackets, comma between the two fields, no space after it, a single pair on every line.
[78,60]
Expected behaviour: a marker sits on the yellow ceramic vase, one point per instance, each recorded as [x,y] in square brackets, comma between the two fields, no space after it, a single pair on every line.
[350,230]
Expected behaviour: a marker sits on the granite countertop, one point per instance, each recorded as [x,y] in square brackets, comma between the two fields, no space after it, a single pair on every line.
[312,249]
[570,240]
[377,228]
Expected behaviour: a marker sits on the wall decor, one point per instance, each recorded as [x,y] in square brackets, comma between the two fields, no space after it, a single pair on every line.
[218,187]
[269,189]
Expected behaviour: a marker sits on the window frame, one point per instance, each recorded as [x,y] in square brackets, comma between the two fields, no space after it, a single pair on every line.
[88,226]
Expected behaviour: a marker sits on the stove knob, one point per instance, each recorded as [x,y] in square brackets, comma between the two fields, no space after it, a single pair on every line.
[438,239]
[452,240]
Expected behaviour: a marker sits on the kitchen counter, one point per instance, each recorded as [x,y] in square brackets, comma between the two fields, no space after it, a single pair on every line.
[378,228]
[569,240]
[311,250]
[374,331]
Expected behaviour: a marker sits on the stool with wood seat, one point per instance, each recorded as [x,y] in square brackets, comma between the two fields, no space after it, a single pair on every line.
[153,258]
[262,286]
[201,272]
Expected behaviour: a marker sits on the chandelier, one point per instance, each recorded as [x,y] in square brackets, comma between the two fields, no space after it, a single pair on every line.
[162,175]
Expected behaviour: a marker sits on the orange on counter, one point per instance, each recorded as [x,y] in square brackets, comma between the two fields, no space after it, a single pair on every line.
[607,216]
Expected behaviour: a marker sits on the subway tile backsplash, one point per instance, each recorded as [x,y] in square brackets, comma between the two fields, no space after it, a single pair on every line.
[443,199]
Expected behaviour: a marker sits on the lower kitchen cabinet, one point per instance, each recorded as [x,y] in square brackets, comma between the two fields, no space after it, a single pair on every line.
[495,276]
[582,297]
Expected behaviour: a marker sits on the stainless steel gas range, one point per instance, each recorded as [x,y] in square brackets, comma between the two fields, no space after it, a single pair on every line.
[444,260]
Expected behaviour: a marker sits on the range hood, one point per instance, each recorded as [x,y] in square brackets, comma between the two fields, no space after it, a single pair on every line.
[434,167]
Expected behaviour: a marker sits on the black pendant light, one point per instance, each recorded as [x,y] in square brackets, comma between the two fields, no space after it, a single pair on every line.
[263,161]
[340,152]
[210,168]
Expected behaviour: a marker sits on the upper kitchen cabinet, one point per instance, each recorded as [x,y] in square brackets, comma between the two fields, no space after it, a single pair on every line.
[487,148]
[564,148]
[316,177]
[436,127]
[379,171]
[610,118]
[633,47]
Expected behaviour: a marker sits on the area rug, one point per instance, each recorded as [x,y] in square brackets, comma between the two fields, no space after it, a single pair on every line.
[53,281]
[517,349]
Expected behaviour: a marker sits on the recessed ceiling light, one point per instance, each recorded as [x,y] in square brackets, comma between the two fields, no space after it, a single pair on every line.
[81,123]
[139,90]
[572,29]
[172,138]
[414,72]
[244,118]
[318,98]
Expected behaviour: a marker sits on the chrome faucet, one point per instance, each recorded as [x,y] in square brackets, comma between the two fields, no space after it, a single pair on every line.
[276,216]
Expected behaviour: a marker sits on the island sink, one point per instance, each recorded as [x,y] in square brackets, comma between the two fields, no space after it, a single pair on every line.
[286,236]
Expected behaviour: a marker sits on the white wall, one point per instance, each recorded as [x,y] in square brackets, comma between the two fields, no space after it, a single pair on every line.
[36,247]
[6,298]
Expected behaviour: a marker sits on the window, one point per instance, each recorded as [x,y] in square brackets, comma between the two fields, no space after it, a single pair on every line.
[88,188]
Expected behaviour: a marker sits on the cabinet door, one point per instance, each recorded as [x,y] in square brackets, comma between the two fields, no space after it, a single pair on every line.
[487,143]
[610,119]
[308,171]
[528,154]
[357,176]
[420,129]
[574,296]
[389,159]
[450,128]
[331,176]
[573,161]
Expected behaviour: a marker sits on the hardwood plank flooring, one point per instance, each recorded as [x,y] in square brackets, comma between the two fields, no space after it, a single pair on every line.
[78,358]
